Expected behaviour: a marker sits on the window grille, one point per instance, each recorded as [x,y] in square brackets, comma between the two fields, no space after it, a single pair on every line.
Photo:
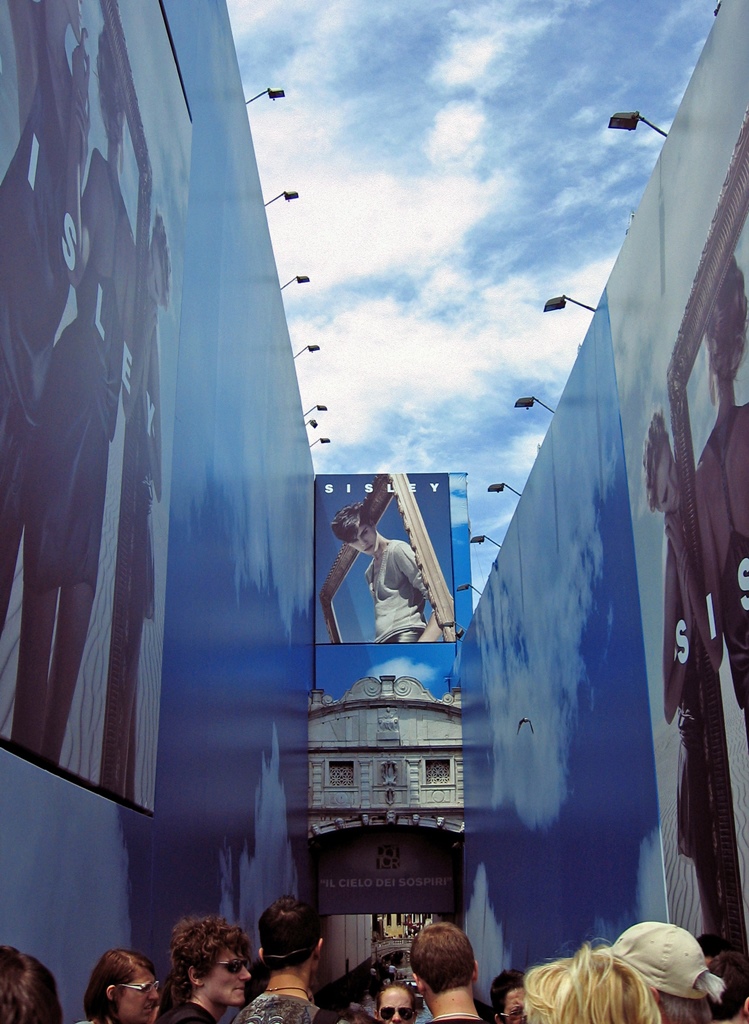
[341,773]
[438,773]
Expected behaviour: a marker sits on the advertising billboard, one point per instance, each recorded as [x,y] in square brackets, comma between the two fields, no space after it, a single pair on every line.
[94,167]
[681,369]
[401,525]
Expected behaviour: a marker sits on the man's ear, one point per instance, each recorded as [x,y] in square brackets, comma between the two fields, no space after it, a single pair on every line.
[111,989]
[420,986]
[318,949]
[194,978]
[475,976]
[656,996]
[497,1019]
[744,1011]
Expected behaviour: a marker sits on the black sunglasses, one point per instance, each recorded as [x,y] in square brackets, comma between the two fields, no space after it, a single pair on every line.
[234,966]
[404,1012]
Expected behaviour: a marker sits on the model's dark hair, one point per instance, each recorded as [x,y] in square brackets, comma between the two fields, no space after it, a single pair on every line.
[442,956]
[160,245]
[726,328]
[197,943]
[289,932]
[28,993]
[733,968]
[348,521]
[111,92]
[712,944]
[656,439]
[115,967]
[502,984]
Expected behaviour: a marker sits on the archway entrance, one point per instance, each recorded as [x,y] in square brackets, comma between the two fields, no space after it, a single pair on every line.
[377,887]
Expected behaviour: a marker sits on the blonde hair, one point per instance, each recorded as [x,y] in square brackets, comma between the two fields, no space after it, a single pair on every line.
[592,987]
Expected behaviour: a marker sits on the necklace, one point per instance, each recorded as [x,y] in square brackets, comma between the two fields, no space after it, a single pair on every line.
[457,1016]
[288,988]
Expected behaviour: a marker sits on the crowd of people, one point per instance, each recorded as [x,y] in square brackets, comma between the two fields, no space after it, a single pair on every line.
[654,973]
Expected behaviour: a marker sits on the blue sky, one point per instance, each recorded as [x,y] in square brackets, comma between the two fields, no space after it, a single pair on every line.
[455,170]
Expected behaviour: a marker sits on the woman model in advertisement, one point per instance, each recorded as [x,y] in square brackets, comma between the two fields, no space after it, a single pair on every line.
[40,198]
[723,486]
[143,408]
[395,581]
[684,617]
[65,487]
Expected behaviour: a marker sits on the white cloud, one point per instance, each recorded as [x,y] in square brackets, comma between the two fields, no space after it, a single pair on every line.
[397,667]
[456,136]
[454,171]
[271,871]
[486,935]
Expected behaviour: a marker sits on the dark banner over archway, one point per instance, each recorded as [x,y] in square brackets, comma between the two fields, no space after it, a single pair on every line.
[387,872]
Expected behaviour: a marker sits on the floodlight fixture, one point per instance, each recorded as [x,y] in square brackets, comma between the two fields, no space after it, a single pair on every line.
[312,423]
[531,400]
[307,348]
[629,119]
[496,488]
[481,537]
[316,408]
[273,94]
[300,279]
[320,440]
[560,301]
[288,196]
[468,586]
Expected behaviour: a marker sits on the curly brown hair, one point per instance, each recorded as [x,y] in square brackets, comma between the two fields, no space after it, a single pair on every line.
[197,943]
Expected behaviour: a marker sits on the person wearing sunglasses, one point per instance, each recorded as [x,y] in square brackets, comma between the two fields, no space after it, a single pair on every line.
[396,1003]
[507,995]
[210,961]
[122,989]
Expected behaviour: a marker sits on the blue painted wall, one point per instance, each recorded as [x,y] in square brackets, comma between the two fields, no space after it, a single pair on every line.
[229,827]
[561,812]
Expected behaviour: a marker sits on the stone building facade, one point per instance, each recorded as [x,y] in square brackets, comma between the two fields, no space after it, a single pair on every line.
[387,753]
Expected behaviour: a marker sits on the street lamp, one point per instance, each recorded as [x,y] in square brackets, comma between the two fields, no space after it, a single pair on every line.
[307,348]
[300,279]
[560,301]
[273,94]
[316,408]
[496,488]
[629,119]
[526,403]
[481,537]
[288,196]
[468,586]
[320,440]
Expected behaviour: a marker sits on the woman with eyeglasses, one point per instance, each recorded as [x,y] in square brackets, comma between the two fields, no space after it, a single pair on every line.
[507,996]
[122,989]
[210,960]
[395,1003]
